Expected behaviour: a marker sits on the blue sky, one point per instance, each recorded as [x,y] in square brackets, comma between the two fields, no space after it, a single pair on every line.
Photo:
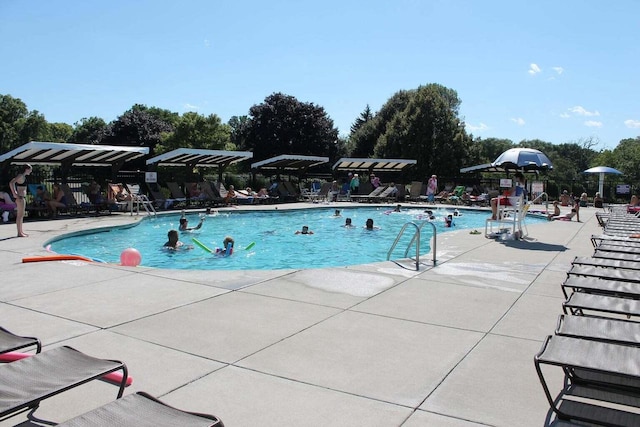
[560,71]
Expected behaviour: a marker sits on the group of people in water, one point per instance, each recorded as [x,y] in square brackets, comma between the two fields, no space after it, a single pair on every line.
[174,242]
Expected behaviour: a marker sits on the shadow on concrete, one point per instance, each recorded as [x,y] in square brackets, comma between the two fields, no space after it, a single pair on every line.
[533,245]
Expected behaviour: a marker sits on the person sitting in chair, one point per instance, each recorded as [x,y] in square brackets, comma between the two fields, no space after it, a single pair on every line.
[515,191]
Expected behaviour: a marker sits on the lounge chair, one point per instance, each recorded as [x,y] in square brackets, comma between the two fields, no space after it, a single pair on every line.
[616,255]
[120,197]
[415,192]
[26,382]
[368,197]
[142,409]
[604,273]
[604,262]
[593,285]
[176,192]
[579,302]
[599,329]
[597,374]
[12,342]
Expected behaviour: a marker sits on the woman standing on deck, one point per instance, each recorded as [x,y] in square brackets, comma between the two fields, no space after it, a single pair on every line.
[18,186]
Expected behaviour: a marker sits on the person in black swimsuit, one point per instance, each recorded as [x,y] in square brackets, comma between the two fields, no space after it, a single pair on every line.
[18,186]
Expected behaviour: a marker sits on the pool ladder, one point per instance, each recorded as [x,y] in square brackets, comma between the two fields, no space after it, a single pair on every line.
[415,239]
[141,199]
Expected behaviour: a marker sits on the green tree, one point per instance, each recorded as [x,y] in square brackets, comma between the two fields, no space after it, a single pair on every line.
[239,131]
[626,156]
[136,127]
[423,124]
[364,117]
[284,125]
[194,130]
[88,131]
[12,110]
[59,132]
[33,127]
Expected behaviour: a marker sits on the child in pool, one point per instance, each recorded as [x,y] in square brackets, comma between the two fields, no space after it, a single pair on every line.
[347,223]
[227,243]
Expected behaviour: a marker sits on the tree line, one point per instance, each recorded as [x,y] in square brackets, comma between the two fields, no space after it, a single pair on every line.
[422,124]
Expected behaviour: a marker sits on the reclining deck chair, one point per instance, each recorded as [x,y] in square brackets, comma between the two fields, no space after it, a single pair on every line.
[142,409]
[12,342]
[27,382]
[598,373]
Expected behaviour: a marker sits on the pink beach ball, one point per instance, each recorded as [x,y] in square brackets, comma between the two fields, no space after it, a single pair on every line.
[130,257]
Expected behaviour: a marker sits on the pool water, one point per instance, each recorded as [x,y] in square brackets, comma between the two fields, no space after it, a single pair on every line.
[275,244]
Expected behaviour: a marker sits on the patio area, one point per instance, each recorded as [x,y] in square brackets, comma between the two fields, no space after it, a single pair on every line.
[375,344]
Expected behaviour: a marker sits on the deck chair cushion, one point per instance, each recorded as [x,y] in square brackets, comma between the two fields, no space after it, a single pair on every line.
[141,410]
[28,381]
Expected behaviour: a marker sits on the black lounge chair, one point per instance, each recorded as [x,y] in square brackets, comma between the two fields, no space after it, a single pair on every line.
[599,329]
[595,285]
[621,274]
[141,410]
[616,255]
[25,383]
[598,374]
[606,263]
[578,302]
[12,342]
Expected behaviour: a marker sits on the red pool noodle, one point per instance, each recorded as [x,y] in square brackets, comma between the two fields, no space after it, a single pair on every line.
[56,258]
[113,377]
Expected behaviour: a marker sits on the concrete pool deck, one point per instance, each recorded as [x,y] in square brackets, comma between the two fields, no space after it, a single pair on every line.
[375,344]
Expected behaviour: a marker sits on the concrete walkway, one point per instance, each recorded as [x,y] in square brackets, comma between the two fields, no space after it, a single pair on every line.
[373,345]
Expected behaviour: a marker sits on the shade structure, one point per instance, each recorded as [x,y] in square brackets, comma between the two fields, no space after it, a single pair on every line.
[601,171]
[289,163]
[373,165]
[524,159]
[57,153]
[194,157]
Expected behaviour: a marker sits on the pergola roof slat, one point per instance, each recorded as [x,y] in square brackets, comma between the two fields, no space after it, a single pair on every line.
[36,152]
[198,157]
[289,162]
[375,165]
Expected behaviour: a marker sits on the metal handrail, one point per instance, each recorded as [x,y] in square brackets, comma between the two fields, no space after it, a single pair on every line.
[546,200]
[416,236]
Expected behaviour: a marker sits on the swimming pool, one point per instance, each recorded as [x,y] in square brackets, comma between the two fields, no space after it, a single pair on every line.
[273,232]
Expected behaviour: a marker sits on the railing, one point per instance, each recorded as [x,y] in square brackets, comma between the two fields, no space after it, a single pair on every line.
[415,239]
[546,200]
[141,199]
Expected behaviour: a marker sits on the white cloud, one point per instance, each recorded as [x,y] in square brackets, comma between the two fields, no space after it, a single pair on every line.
[632,124]
[519,121]
[581,111]
[534,69]
[189,107]
[558,70]
[480,127]
[565,115]
[593,124]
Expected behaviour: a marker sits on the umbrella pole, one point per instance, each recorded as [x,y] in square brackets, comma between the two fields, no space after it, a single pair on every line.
[601,185]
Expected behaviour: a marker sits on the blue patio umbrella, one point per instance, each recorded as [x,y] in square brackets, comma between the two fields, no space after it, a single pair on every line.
[602,170]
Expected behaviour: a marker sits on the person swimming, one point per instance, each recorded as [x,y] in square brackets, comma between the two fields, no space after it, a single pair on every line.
[347,223]
[305,230]
[173,243]
[184,225]
[369,225]
[337,214]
